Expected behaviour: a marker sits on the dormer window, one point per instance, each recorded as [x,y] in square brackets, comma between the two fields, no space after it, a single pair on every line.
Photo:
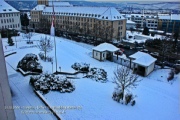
[10,9]
[106,17]
[98,15]
[95,15]
[4,9]
[103,17]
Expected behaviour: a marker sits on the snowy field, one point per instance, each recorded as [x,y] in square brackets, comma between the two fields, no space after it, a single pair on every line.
[156,98]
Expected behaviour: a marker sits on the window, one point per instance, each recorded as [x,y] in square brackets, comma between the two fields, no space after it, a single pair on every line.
[2,21]
[0,15]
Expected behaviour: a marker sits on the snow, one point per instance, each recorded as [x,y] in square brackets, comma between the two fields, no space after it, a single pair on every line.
[39,7]
[111,14]
[130,22]
[6,8]
[106,47]
[170,17]
[143,58]
[106,13]
[58,3]
[156,98]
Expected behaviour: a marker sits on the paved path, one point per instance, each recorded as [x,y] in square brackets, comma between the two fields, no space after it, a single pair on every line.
[23,97]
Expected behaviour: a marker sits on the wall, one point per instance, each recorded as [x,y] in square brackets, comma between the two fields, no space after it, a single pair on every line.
[13,17]
[150,69]
[5,94]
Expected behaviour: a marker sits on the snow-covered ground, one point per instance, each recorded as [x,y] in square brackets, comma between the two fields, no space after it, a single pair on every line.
[156,98]
[139,37]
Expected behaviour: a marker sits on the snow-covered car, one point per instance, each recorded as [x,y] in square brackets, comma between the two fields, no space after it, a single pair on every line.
[155,54]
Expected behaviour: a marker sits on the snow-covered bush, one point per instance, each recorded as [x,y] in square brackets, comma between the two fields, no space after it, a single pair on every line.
[128,98]
[47,82]
[118,96]
[171,75]
[42,57]
[30,63]
[83,67]
[98,74]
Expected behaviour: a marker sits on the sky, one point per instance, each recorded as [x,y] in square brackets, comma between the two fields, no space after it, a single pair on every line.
[109,0]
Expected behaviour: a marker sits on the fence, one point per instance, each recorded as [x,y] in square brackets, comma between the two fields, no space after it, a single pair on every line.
[123,61]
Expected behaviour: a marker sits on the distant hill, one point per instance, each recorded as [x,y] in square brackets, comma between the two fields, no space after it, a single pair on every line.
[175,6]
[22,4]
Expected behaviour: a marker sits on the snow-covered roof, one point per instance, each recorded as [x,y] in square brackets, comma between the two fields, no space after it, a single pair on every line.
[170,17]
[6,8]
[106,13]
[106,47]
[39,7]
[58,3]
[143,59]
[111,14]
[130,22]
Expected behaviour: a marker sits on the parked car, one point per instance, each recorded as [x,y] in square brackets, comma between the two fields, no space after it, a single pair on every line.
[156,54]
[144,50]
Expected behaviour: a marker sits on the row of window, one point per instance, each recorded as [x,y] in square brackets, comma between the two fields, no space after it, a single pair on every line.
[11,26]
[7,20]
[9,14]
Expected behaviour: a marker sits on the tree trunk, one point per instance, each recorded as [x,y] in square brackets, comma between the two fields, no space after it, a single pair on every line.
[45,55]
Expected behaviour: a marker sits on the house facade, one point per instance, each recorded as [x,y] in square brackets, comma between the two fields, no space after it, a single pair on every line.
[9,17]
[104,22]
[143,63]
[104,51]
[169,23]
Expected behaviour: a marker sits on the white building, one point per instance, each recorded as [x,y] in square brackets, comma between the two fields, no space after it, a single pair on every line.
[150,21]
[9,17]
[130,24]
[104,51]
[143,63]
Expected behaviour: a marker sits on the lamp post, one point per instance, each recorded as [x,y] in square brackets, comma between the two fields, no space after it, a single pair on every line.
[52,66]
[15,38]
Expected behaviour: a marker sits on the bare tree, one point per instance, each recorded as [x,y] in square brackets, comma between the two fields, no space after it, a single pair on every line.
[165,49]
[125,79]
[29,36]
[45,45]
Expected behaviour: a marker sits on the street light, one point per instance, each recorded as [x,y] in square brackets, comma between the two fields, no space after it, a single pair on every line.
[15,38]
[52,65]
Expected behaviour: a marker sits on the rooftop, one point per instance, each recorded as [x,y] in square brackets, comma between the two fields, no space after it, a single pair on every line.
[6,8]
[143,59]
[106,13]
[106,47]
[170,17]
[58,3]
[39,7]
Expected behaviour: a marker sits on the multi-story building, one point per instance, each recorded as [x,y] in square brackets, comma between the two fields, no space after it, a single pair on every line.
[169,23]
[9,17]
[150,21]
[99,21]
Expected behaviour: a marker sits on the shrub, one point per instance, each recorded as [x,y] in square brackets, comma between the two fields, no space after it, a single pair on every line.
[133,102]
[81,67]
[128,98]
[98,74]
[30,63]
[47,82]
[117,95]
[171,75]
